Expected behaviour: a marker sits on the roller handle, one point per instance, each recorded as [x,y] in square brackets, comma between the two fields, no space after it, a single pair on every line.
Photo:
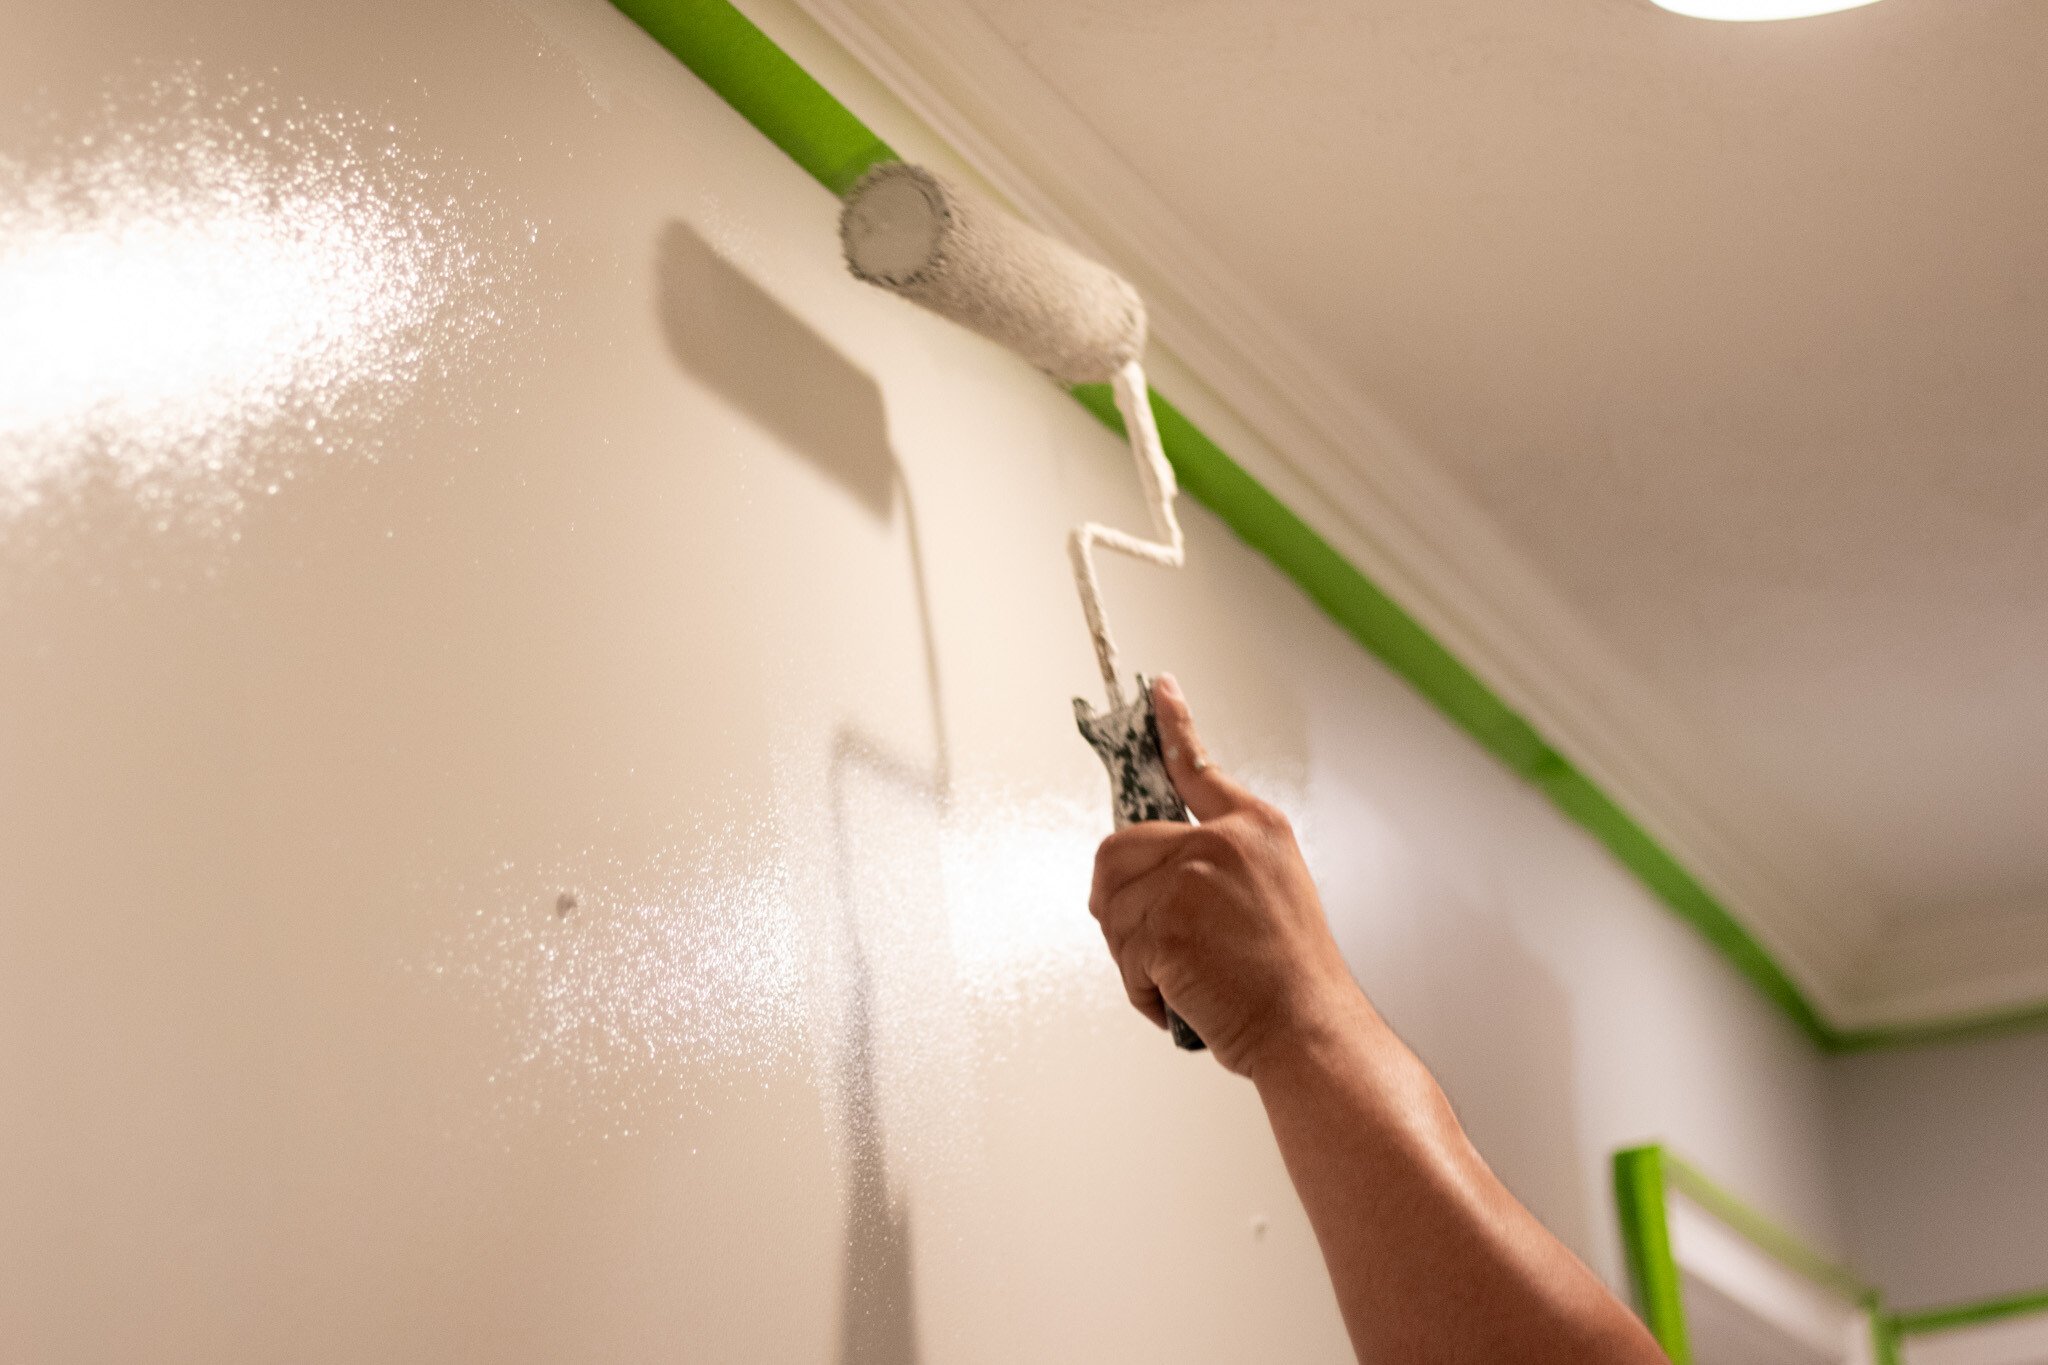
[1126,739]
[1184,1036]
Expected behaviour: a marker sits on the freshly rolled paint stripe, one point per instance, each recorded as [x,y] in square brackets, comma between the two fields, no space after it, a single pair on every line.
[739,62]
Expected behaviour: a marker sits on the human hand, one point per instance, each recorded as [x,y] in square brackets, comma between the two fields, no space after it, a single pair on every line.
[1221,918]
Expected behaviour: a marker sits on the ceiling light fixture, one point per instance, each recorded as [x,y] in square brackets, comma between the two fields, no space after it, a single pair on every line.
[1757,9]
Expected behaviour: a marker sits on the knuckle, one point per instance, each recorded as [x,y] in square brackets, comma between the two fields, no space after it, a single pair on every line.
[1118,843]
[1118,937]
[1192,881]
[1213,843]
[1270,818]
[1173,933]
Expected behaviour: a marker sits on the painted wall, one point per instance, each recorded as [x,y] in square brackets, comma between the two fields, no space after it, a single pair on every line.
[1943,1168]
[540,813]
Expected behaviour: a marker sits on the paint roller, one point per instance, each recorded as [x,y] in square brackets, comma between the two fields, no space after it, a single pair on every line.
[918,235]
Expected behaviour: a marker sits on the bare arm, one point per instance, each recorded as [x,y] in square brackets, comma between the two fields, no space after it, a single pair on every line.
[1432,1259]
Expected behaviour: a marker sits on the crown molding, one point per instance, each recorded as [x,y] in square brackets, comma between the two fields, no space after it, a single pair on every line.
[1936,965]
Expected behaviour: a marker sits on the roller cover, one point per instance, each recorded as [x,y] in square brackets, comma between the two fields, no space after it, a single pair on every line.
[959,255]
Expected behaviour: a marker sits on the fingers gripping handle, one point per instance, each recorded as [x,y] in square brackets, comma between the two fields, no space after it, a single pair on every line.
[1126,738]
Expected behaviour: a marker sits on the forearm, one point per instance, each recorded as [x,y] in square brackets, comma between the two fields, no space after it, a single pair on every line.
[1431,1257]
[1433,1260]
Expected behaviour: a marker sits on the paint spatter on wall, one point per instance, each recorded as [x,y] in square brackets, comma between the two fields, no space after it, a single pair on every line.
[629,988]
[1016,871]
[1017,868]
[860,934]
[204,284]
[653,977]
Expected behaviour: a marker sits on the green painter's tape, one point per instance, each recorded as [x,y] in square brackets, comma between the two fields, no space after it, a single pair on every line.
[1643,1180]
[757,78]
[1884,1340]
[1646,1236]
[1970,1314]
[1783,1246]
[738,61]
[1962,1029]
[1596,812]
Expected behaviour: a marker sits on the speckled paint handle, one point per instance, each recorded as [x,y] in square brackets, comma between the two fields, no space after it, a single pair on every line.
[1140,789]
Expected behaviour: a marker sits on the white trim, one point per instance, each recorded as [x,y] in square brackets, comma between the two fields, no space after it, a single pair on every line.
[1777,1297]
[1943,963]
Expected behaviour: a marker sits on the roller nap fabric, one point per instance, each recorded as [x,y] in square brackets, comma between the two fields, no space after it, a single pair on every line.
[964,258]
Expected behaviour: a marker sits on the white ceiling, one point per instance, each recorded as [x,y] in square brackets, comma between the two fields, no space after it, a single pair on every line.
[1690,379]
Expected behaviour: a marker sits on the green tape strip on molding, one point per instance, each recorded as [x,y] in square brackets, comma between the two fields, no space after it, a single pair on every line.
[1970,1314]
[767,87]
[1646,1236]
[728,53]
[1644,1178]
[1787,1248]
[1884,1342]
[1962,1028]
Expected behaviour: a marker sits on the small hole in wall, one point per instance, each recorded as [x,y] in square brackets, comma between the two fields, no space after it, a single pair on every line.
[566,902]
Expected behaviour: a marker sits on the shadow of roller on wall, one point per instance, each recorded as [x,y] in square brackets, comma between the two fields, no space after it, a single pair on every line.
[878,1301]
[726,331]
[735,336]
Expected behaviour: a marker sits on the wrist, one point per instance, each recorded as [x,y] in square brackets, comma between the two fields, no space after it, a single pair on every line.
[1337,1027]
[1347,1058]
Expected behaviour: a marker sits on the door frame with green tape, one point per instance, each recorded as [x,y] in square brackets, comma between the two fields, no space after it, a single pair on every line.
[1697,1253]
[1688,1237]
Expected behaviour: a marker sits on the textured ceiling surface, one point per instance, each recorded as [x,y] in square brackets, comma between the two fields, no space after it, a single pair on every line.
[1737,332]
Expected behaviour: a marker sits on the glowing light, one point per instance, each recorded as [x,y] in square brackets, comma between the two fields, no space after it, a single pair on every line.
[1016,874]
[1751,10]
[198,270]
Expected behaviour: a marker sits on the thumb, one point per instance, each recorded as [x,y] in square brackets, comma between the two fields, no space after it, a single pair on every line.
[1208,792]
